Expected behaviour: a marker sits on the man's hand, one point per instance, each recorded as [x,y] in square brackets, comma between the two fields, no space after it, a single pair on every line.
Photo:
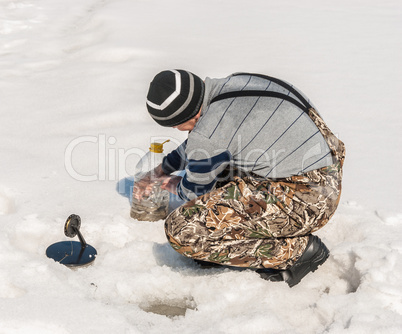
[143,187]
[170,183]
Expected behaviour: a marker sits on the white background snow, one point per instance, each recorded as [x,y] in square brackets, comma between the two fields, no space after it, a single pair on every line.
[77,72]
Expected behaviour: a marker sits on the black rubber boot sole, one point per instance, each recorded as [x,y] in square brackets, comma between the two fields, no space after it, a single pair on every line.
[316,254]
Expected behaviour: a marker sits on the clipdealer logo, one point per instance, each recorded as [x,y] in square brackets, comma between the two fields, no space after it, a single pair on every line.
[111,160]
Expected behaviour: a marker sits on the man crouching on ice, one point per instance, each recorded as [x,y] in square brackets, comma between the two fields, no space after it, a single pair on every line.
[262,172]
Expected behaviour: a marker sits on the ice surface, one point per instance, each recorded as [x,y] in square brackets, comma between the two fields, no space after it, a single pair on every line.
[73,80]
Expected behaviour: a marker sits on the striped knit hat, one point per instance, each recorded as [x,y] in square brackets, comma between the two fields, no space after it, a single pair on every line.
[174,97]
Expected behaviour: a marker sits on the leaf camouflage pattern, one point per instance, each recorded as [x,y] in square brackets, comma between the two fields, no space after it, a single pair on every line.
[191,210]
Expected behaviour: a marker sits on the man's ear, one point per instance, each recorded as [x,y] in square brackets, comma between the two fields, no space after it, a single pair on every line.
[199,114]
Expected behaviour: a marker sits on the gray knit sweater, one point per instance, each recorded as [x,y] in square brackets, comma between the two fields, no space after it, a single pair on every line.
[271,135]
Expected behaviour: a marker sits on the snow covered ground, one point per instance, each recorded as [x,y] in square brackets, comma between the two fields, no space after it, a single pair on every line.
[73,80]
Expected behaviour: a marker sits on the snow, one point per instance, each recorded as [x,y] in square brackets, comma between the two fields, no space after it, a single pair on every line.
[73,80]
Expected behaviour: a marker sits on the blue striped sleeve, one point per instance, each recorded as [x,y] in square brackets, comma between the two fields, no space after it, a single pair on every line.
[175,160]
[201,175]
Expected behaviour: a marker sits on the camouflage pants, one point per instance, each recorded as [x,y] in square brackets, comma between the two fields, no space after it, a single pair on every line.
[259,223]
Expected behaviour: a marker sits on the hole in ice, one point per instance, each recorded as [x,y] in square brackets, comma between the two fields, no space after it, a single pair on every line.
[169,308]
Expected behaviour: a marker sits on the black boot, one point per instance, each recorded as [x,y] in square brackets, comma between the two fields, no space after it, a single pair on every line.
[316,254]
